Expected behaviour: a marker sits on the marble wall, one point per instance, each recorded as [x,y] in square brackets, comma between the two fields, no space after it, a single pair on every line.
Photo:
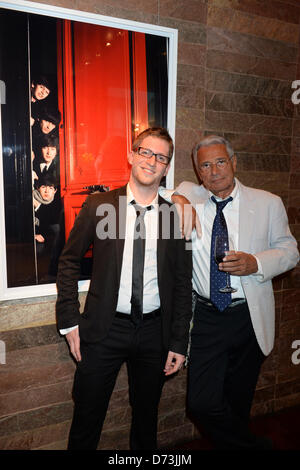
[237,60]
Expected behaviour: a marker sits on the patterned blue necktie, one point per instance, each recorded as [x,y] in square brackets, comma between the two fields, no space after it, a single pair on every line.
[218,278]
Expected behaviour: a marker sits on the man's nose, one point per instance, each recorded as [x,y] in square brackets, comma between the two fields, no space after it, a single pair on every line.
[152,160]
[214,168]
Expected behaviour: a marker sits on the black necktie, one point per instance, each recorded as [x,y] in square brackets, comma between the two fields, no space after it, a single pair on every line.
[138,260]
[218,278]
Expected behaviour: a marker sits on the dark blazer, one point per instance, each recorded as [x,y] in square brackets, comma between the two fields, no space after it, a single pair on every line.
[174,265]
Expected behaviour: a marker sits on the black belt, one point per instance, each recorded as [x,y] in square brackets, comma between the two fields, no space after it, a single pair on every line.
[205,301]
[146,316]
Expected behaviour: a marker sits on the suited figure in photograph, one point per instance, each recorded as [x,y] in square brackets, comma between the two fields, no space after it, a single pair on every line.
[138,306]
[48,224]
[46,124]
[46,160]
[232,332]
[40,91]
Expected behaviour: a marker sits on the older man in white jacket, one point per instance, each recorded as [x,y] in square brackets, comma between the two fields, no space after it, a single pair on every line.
[228,345]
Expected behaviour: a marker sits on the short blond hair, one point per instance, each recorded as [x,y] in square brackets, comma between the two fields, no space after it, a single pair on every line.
[160,133]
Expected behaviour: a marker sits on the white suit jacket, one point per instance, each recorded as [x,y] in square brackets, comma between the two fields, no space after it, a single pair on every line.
[264,232]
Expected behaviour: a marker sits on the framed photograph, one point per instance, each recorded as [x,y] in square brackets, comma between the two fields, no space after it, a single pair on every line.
[75,90]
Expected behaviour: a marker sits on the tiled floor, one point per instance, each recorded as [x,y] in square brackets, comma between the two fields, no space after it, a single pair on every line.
[283,428]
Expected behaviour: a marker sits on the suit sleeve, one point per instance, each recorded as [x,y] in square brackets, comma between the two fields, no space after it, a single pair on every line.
[182,302]
[282,253]
[80,238]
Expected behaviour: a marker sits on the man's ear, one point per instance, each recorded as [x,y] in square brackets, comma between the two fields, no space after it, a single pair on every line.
[167,170]
[130,157]
[234,162]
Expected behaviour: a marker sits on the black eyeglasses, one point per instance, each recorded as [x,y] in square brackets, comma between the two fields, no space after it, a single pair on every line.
[147,153]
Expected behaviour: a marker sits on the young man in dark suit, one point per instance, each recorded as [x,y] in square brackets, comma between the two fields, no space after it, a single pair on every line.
[138,307]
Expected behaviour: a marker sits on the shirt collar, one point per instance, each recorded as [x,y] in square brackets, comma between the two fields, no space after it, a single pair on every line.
[234,193]
[130,198]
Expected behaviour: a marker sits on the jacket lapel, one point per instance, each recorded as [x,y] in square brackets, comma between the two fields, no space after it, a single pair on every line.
[160,244]
[120,206]
[246,219]
[164,234]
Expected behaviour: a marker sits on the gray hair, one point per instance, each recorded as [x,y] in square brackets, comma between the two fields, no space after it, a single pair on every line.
[212,140]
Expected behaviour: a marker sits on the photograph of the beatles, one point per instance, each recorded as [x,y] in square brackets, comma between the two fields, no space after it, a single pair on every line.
[73,108]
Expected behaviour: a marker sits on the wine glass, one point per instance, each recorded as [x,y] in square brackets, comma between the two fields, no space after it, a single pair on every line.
[222,245]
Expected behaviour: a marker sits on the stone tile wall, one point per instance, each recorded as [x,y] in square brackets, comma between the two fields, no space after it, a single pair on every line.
[236,64]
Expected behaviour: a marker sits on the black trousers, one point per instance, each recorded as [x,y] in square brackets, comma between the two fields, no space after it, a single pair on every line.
[225,361]
[96,375]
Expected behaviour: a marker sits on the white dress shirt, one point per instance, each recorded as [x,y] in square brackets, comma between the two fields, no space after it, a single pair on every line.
[44,165]
[151,300]
[201,246]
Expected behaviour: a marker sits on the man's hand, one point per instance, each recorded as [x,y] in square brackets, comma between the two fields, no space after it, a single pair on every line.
[188,217]
[39,238]
[174,363]
[239,263]
[74,343]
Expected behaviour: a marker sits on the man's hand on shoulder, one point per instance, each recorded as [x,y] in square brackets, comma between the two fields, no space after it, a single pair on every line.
[188,217]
